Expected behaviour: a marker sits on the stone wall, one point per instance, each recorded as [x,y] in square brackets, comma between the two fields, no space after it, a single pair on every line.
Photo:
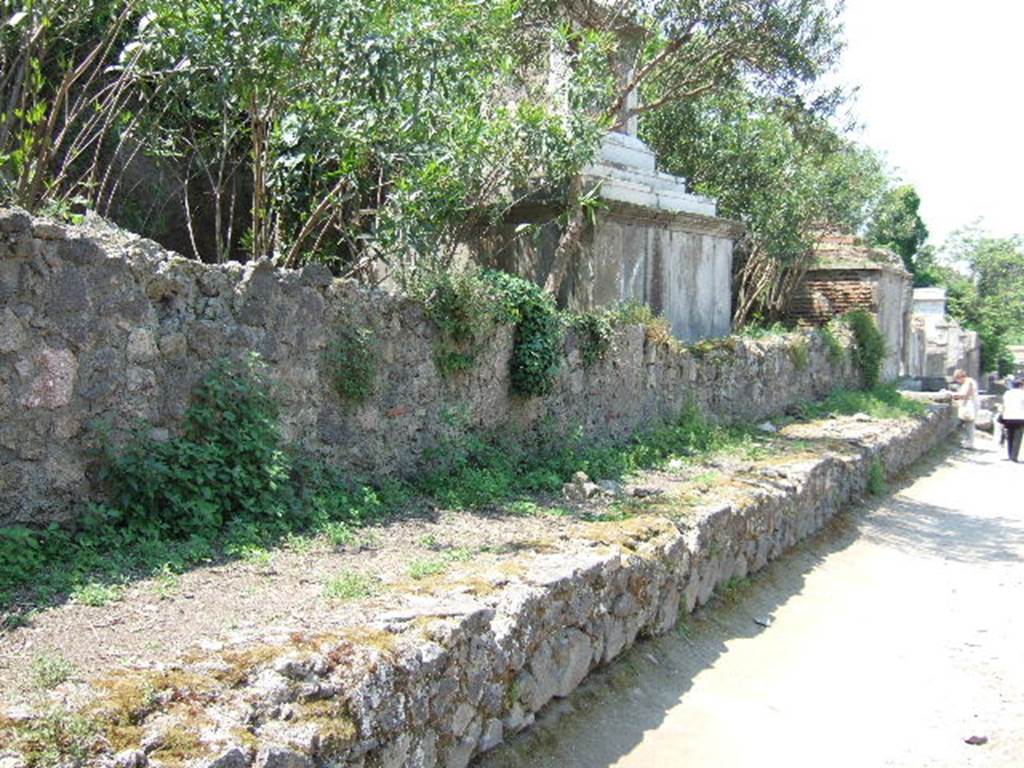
[97,325]
[454,674]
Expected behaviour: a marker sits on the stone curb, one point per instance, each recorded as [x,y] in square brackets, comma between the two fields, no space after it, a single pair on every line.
[450,677]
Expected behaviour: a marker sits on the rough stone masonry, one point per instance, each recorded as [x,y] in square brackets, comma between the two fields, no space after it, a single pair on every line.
[100,326]
[448,676]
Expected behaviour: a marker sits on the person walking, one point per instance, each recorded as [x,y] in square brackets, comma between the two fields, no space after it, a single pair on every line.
[967,394]
[1012,418]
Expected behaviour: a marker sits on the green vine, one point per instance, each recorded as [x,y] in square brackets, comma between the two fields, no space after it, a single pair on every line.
[537,351]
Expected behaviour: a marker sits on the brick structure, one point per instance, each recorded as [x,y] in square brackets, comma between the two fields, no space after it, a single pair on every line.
[847,275]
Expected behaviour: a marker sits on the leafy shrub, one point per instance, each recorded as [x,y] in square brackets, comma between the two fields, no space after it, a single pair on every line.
[226,485]
[228,463]
[869,345]
[537,352]
[351,362]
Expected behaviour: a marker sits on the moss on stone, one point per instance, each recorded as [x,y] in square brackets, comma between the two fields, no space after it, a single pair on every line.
[336,728]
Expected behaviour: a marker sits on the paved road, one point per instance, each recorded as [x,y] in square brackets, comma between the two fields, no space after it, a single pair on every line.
[893,636]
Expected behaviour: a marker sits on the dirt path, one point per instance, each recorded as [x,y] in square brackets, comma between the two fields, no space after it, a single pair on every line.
[892,637]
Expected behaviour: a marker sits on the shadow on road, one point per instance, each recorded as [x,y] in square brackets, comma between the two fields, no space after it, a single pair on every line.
[608,716]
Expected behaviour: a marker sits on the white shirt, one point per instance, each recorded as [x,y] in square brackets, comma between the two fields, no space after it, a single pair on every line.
[1013,404]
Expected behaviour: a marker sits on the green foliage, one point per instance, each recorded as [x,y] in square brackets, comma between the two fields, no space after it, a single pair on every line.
[193,498]
[537,351]
[362,129]
[66,77]
[833,346]
[351,363]
[799,353]
[898,225]
[877,485]
[55,739]
[657,329]
[50,670]
[474,470]
[228,463]
[349,585]
[775,164]
[881,402]
[990,297]
[96,594]
[464,306]
[869,345]
[756,330]
[595,332]
[422,567]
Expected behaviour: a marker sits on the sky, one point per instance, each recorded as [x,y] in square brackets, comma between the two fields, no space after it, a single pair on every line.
[941,95]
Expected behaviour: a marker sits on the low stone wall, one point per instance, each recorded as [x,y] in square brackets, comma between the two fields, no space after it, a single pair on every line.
[97,325]
[451,676]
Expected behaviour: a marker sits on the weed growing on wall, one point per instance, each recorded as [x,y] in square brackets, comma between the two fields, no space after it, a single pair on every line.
[757,330]
[800,354]
[657,329]
[876,478]
[869,345]
[464,306]
[833,347]
[595,331]
[350,362]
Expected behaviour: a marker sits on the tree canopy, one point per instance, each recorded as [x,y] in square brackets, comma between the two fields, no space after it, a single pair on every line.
[778,168]
[897,224]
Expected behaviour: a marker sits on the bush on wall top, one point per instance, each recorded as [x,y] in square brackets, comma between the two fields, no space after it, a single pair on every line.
[869,345]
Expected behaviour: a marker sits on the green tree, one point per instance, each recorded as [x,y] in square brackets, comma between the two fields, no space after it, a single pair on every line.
[776,166]
[349,130]
[897,225]
[984,277]
[675,52]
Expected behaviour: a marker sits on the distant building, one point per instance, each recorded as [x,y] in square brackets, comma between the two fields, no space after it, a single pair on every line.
[848,275]
[939,345]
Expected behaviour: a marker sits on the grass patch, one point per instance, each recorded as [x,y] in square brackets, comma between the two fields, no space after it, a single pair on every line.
[881,402]
[96,594]
[349,585]
[56,739]
[423,567]
[50,670]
